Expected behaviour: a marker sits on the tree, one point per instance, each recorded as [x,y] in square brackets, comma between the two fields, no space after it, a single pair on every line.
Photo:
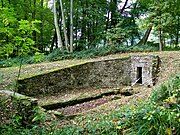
[41,26]
[164,19]
[71,26]
[60,44]
[64,26]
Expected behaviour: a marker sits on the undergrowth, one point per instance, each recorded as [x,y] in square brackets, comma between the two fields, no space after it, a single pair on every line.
[56,55]
[158,116]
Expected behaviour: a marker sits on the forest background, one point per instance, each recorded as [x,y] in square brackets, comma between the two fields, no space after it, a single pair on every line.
[35,30]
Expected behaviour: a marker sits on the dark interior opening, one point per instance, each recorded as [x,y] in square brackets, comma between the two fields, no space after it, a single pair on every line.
[139,75]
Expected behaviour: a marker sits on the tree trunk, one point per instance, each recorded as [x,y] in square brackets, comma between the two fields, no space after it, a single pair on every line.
[113,13]
[82,39]
[171,39]
[33,18]
[107,20]
[54,40]
[177,33]
[41,27]
[160,40]
[2,3]
[143,41]
[124,6]
[76,28]
[60,45]
[160,30]
[71,26]
[64,26]
[107,24]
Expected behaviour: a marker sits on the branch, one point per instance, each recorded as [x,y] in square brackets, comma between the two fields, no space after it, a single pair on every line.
[124,6]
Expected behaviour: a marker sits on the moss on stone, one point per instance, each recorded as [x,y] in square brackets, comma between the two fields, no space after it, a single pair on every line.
[52,70]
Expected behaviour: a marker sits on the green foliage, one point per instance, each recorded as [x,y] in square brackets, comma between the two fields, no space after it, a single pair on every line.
[21,42]
[19,116]
[19,28]
[172,48]
[96,52]
[168,91]
[159,115]
[89,53]
[122,32]
[39,115]
[38,57]
[164,16]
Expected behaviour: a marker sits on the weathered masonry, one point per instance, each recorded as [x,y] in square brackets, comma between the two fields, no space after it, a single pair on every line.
[144,70]
[109,73]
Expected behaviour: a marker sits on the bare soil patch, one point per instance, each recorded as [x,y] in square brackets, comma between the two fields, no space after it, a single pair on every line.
[79,108]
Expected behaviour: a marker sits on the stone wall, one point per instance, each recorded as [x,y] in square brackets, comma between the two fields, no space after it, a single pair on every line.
[14,104]
[105,73]
[110,73]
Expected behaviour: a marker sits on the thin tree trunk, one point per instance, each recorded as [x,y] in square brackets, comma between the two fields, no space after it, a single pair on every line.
[60,45]
[34,10]
[41,27]
[2,3]
[107,24]
[25,10]
[53,41]
[76,27]
[64,26]
[160,30]
[177,33]
[33,18]
[71,26]
[124,6]
[113,13]
[107,21]
[160,40]
[171,39]
[83,30]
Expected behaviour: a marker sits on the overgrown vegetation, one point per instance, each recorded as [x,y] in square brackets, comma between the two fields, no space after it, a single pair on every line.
[56,55]
[89,53]
[160,115]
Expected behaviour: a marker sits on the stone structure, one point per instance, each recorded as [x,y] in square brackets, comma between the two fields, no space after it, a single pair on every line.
[110,73]
[18,104]
[144,69]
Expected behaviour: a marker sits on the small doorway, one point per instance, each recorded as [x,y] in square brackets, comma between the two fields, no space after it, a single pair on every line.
[139,75]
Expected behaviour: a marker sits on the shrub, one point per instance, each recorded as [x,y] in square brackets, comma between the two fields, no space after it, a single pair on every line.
[160,115]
